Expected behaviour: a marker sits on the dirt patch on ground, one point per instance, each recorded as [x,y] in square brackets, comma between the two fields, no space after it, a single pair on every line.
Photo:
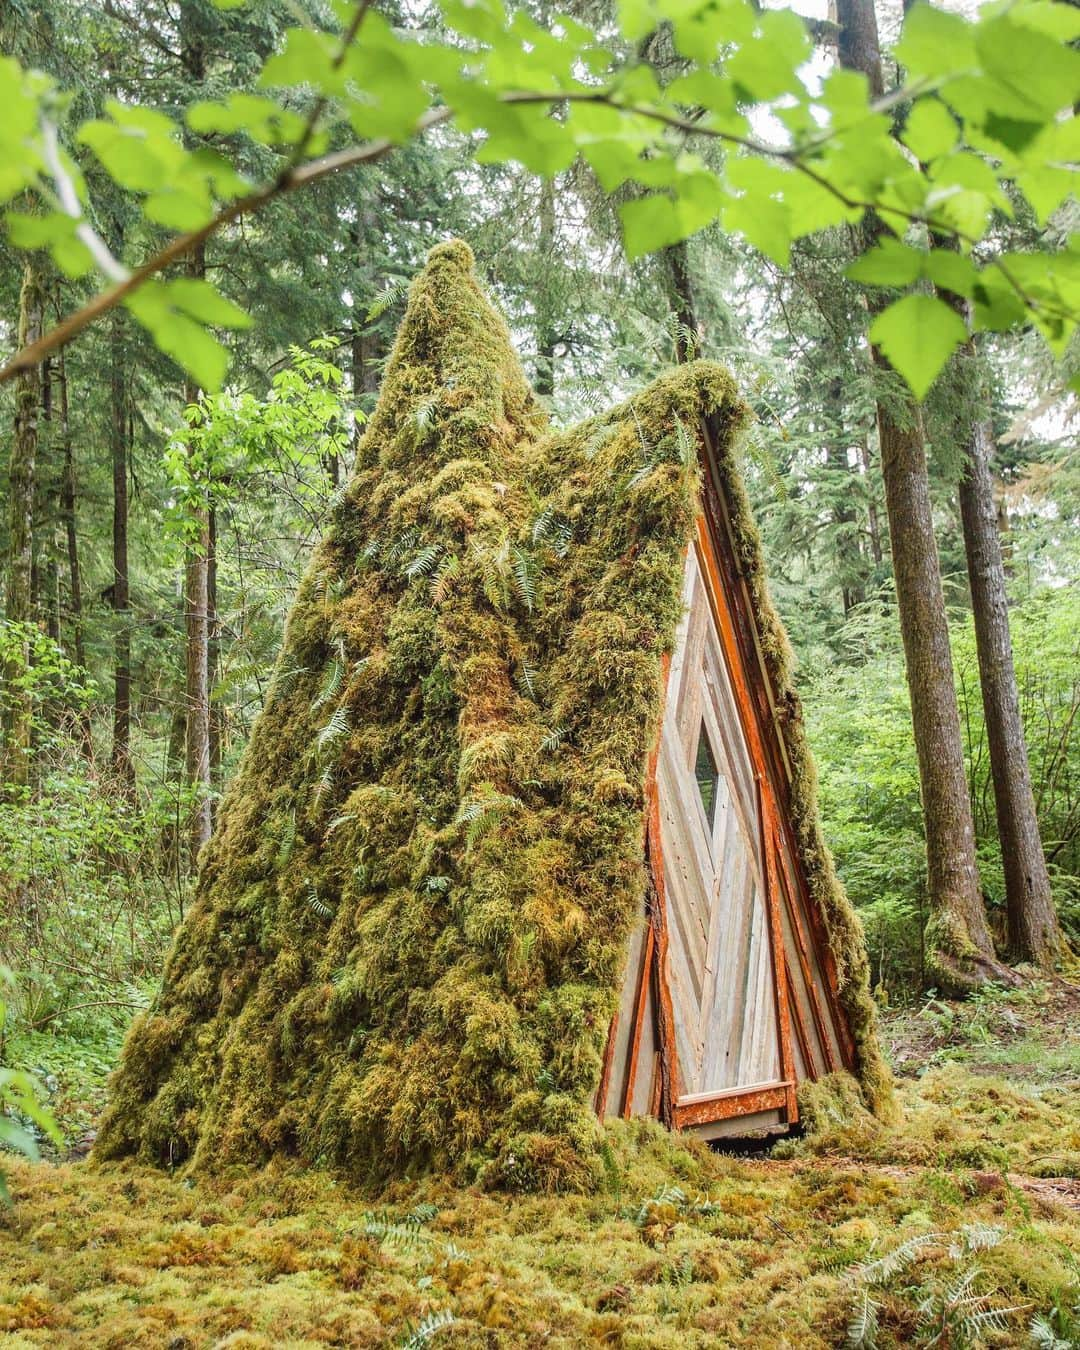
[1031,1034]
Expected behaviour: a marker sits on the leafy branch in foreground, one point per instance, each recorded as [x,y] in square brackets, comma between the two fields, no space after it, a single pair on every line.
[988,121]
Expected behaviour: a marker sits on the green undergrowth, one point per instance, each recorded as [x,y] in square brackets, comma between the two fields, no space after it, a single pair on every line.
[679,1248]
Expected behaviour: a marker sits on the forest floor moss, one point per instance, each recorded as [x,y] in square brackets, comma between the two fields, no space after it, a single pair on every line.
[961,1220]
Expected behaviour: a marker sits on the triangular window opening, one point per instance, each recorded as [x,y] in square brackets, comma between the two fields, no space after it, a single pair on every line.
[707,775]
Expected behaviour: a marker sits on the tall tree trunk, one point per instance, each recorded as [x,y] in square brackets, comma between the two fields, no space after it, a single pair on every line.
[873,523]
[68,512]
[49,515]
[849,560]
[676,263]
[67,507]
[213,648]
[960,952]
[18,595]
[197,559]
[197,679]
[544,383]
[121,596]
[959,948]
[1033,932]
[197,684]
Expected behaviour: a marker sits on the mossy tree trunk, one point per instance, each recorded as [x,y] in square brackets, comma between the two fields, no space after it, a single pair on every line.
[22,472]
[959,949]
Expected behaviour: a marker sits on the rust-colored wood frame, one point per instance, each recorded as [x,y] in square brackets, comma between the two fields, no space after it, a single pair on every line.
[747,654]
[733,615]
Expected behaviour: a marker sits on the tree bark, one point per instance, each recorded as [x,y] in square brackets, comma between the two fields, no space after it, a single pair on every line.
[197,559]
[873,523]
[1032,925]
[68,492]
[197,680]
[121,588]
[22,466]
[676,261]
[960,953]
[197,673]
[544,383]
[850,567]
[213,649]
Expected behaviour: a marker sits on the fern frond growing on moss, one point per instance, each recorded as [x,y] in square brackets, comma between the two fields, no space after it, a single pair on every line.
[428,1329]
[526,572]
[442,579]
[862,1327]
[423,562]
[316,904]
[331,685]
[392,293]
[287,840]
[553,739]
[337,727]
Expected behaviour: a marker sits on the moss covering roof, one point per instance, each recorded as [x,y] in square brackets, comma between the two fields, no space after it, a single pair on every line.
[411,922]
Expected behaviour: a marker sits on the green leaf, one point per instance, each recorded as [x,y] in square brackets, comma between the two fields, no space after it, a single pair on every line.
[199,299]
[305,59]
[764,222]
[15,1137]
[762,214]
[952,271]
[260,117]
[1038,70]
[529,135]
[56,232]
[936,43]
[765,66]
[997,305]
[930,131]
[1046,188]
[650,223]
[228,4]
[888,263]
[918,334]
[178,335]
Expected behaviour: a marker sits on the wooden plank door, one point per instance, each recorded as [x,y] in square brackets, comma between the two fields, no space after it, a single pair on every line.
[720,971]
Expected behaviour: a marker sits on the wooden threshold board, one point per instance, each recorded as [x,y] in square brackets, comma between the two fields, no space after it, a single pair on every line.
[703,1108]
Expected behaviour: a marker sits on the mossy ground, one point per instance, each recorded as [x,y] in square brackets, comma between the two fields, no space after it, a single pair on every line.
[755,1251]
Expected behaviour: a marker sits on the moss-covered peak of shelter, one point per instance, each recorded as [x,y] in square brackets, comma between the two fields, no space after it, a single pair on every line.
[454,387]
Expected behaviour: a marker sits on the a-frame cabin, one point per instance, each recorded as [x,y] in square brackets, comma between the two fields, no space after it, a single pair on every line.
[730,994]
[412,924]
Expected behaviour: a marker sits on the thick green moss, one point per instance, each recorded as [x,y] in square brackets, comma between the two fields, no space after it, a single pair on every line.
[411,921]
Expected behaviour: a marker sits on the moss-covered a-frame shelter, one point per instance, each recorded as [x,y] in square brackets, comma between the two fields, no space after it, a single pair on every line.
[525,834]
